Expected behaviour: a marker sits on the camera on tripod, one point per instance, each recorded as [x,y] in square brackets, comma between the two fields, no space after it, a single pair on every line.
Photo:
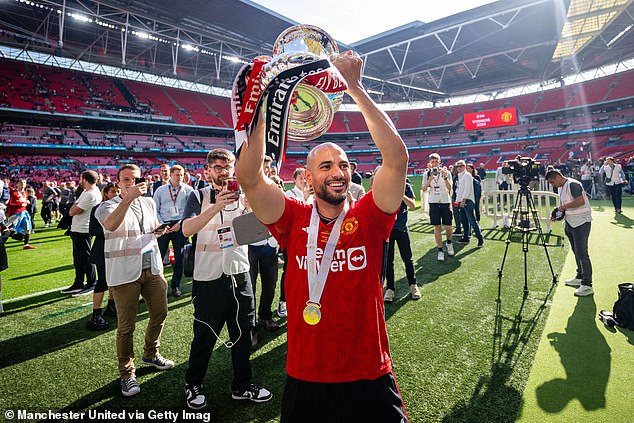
[523,169]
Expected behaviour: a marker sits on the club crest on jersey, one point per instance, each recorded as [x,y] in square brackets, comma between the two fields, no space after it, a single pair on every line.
[350,225]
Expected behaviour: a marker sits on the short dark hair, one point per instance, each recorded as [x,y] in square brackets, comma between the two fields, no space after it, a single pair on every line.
[221,154]
[553,172]
[90,176]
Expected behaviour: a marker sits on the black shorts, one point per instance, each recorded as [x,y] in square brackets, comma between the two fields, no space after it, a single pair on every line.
[377,400]
[440,214]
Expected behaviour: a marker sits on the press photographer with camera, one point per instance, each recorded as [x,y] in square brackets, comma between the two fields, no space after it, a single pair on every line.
[439,181]
[573,202]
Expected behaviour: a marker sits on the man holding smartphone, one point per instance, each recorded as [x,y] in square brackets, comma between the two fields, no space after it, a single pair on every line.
[134,267]
[221,290]
[170,202]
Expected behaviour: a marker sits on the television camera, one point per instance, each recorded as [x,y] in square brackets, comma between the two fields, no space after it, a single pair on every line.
[523,169]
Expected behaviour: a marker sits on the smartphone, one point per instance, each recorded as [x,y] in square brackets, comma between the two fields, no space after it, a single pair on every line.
[161,227]
[139,181]
[435,171]
[232,185]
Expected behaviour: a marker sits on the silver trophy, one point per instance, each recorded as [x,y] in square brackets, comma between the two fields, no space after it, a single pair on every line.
[312,110]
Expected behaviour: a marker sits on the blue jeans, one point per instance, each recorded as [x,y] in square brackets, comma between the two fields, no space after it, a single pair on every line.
[178,242]
[467,216]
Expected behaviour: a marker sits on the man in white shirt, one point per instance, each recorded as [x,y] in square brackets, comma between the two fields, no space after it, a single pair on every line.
[438,183]
[614,179]
[586,176]
[80,212]
[466,201]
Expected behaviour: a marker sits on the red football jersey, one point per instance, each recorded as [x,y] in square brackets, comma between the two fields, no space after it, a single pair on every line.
[350,342]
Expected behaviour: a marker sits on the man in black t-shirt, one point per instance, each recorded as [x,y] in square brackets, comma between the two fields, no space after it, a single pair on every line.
[400,235]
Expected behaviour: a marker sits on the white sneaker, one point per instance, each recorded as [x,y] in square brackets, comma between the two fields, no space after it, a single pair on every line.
[389,296]
[441,256]
[573,282]
[584,291]
[415,292]
[450,250]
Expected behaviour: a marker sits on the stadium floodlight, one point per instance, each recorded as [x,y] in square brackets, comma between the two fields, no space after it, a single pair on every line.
[234,59]
[142,34]
[189,47]
[80,17]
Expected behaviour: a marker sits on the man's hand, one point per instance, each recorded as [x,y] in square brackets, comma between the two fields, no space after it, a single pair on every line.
[174,228]
[137,191]
[349,65]
[224,198]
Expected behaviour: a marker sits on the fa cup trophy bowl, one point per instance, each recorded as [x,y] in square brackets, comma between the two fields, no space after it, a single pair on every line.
[299,90]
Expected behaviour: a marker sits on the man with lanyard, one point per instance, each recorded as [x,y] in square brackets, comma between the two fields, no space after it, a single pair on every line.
[221,290]
[133,268]
[164,177]
[439,182]
[614,178]
[573,201]
[170,202]
[338,363]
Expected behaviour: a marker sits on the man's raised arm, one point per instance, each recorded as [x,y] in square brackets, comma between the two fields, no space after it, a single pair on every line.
[265,198]
[389,183]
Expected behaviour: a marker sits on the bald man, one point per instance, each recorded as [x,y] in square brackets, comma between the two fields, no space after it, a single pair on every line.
[338,363]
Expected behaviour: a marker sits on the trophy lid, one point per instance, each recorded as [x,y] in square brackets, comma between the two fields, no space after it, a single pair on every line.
[306,38]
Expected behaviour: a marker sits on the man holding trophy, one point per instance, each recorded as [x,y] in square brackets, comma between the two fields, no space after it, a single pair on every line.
[338,363]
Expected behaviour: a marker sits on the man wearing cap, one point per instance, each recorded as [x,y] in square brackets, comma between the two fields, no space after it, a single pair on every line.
[573,201]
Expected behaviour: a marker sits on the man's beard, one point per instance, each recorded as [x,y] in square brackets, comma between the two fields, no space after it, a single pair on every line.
[217,181]
[323,194]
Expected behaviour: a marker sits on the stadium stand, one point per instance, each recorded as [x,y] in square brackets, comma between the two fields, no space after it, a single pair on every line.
[550,115]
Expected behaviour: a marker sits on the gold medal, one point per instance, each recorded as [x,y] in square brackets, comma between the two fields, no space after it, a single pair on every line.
[312,314]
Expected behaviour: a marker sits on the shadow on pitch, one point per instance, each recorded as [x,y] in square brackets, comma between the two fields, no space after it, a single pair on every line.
[163,390]
[586,378]
[494,398]
[32,302]
[46,272]
[623,221]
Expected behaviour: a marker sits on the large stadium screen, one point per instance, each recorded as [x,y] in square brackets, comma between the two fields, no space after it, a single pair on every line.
[490,119]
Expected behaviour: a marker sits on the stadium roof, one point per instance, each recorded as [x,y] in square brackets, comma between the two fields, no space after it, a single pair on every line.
[502,44]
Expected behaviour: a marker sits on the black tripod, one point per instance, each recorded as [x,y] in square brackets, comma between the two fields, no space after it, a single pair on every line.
[525,220]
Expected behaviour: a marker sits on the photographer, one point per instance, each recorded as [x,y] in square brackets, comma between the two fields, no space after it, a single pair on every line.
[614,179]
[439,183]
[578,215]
